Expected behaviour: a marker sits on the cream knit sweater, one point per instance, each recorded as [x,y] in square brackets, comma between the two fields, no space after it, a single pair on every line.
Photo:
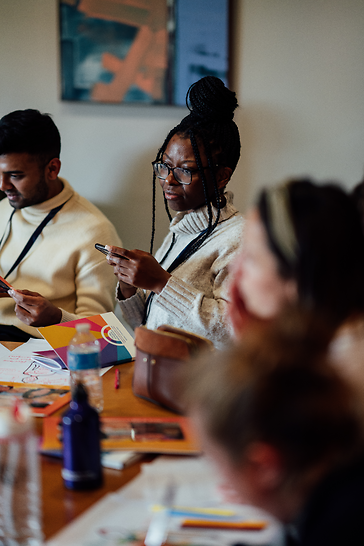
[196,295]
[63,264]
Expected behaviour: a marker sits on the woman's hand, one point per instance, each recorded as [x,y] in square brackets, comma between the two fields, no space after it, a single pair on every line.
[136,269]
[35,310]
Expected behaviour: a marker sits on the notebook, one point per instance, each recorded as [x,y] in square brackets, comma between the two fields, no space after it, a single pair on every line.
[117,344]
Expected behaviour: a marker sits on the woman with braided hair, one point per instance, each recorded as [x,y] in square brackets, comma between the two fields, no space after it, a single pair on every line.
[185,284]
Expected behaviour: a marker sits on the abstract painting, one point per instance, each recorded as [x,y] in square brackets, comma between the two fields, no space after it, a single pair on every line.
[141,51]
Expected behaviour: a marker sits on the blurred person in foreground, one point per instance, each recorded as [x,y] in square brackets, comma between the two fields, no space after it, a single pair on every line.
[357,194]
[47,234]
[303,245]
[284,430]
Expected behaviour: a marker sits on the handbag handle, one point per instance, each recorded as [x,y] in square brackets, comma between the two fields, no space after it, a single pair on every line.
[161,343]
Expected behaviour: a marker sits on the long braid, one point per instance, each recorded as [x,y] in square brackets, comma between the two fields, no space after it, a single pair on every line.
[213,173]
[153,215]
[208,153]
[159,156]
[196,152]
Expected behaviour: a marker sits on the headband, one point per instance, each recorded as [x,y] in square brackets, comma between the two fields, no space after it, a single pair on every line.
[281,224]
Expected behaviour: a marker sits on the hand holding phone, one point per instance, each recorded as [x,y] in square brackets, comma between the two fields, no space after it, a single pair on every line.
[102,249]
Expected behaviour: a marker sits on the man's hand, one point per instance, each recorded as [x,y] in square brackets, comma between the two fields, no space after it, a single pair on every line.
[137,269]
[35,310]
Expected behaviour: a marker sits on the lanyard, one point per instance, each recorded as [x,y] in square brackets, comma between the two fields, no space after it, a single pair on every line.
[182,256]
[32,238]
[8,228]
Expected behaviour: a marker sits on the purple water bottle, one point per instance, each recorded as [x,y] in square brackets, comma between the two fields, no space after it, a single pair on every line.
[81,443]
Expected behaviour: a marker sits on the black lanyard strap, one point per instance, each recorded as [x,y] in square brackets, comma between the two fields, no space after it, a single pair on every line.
[8,228]
[182,256]
[33,237]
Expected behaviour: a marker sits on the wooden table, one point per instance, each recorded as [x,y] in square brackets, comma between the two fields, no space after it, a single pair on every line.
[60,505]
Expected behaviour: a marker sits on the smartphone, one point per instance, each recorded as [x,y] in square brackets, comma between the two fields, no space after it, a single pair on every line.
[4,285]
[102,249]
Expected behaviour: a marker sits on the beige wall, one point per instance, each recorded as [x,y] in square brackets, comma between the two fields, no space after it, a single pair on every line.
[299,74]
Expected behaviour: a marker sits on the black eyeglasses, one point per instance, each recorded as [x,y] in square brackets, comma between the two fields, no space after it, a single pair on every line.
[183,176]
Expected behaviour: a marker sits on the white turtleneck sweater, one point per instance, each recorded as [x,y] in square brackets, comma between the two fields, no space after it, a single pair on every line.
[196,295]
[63,264]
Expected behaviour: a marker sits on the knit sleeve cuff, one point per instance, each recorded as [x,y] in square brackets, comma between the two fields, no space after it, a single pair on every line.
[67,317]
[133,308]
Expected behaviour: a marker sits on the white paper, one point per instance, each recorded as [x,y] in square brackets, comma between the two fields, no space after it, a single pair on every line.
[4,351]
[119,459]
[32,346]
[17,366]
[123,517]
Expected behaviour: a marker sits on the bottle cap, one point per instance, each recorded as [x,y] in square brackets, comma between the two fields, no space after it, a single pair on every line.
[82,326]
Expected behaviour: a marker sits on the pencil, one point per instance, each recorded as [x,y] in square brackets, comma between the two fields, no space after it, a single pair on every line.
[225,525]
[197,511]
[117,378]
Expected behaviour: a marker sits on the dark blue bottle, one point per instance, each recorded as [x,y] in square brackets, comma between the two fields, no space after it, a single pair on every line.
[81,443]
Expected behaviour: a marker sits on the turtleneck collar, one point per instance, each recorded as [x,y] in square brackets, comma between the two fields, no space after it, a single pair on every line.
[35,213]
[190,222]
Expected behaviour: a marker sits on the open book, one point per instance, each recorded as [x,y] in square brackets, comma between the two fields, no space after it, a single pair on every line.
[117,345]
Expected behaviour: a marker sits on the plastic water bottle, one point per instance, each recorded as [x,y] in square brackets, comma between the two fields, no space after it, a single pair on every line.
[83,356]
[81,443]
[20,509]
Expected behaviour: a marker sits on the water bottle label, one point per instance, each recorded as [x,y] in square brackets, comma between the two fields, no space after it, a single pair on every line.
[78,475]
[85,361]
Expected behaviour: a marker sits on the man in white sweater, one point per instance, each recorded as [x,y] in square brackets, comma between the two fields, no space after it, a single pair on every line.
[47,234]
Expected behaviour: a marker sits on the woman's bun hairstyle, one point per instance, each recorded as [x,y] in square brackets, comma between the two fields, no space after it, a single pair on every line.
[210,122]
[210,100]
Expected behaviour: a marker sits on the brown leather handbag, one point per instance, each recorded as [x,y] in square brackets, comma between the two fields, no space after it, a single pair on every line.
[160,356]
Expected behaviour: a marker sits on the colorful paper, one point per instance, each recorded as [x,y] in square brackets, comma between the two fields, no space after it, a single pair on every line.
[117,345]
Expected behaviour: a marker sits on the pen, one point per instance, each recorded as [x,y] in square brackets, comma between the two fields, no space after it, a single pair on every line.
[158,527]
[117,378]
[225,525]
[197,511]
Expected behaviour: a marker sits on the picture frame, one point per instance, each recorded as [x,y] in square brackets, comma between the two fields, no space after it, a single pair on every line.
[141,51]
